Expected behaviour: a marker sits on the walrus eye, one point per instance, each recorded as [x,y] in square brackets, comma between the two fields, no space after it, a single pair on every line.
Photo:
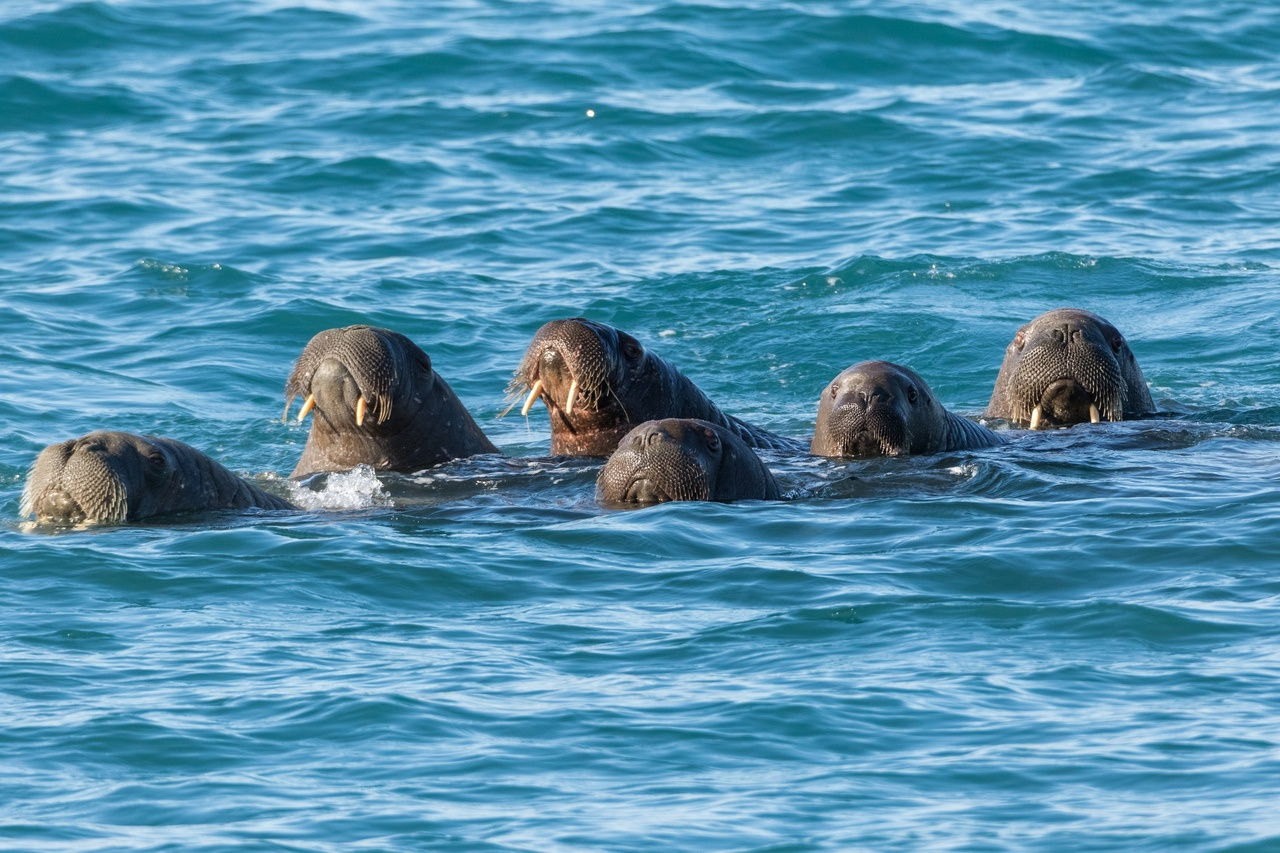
[631,349]
[1019,339]
[713,441]
[911,394]
[835,389]
[156,461]
[1116,344]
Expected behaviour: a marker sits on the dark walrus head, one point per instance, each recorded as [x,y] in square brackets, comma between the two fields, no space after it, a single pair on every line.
[598,382]
[1066,367]
[111,477]
[878,408]
[683,459]
[378,402]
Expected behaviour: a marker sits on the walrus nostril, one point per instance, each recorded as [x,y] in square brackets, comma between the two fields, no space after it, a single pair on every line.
[647,435]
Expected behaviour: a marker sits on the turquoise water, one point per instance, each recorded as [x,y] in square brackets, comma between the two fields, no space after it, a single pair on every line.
[1068,643]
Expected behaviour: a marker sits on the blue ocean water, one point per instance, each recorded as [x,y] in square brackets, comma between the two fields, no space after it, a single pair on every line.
[1069,643]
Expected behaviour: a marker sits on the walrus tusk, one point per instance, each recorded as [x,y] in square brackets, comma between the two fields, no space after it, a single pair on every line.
[307,407]
[1035,418]
[573,392]
[1094,417]
[360,407]
[533,396]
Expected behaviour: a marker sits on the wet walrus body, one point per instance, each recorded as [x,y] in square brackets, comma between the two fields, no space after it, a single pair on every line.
[378,402]
[1067,367]
[877,408]
[113,477]
[598,383]
[684,459]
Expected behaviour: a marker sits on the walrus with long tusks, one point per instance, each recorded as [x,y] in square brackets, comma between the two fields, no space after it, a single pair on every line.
[1069,366]
[683,459]
[112,477]
[877,408]
[598,383]
[375,400]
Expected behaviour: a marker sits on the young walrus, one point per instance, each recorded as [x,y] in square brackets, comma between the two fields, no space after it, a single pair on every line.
[877,408]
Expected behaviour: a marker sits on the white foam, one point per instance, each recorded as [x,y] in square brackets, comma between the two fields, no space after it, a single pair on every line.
[355,489]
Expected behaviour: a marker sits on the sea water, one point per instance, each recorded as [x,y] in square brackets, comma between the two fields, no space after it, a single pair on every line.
[1068,643]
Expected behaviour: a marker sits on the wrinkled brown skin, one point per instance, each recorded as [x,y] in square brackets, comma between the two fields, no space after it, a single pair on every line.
[683,459]
[113,477]
[620,385]
[1063,361]
[877,408]
[413,420]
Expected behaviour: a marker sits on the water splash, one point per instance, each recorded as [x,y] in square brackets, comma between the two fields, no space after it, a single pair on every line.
[358,488]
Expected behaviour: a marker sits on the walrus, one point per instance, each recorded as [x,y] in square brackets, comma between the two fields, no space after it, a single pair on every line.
[598,383]
[376,400]
[877,408]
[683,459]
[1069,366]
[111,477]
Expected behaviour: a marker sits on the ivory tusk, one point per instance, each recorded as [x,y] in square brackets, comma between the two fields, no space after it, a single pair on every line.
[573,392]
[1094,416]
[531,399]
[1035,418]
[361,405]
[307,407]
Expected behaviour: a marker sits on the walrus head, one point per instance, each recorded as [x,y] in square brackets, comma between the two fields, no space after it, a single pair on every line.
[877,408]
[112,477]
[1065,367]
[377,401]
[683,459]
[596,381]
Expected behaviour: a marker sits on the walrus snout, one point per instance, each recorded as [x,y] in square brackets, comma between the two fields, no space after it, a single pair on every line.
[335,390]
[862,425]
[75,482]
[557,378]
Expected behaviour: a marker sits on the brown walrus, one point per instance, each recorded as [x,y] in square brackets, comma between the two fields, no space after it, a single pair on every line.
[877,408]
[599,382]
[1069,366]
[111,477]
[683,459]
[377,401]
